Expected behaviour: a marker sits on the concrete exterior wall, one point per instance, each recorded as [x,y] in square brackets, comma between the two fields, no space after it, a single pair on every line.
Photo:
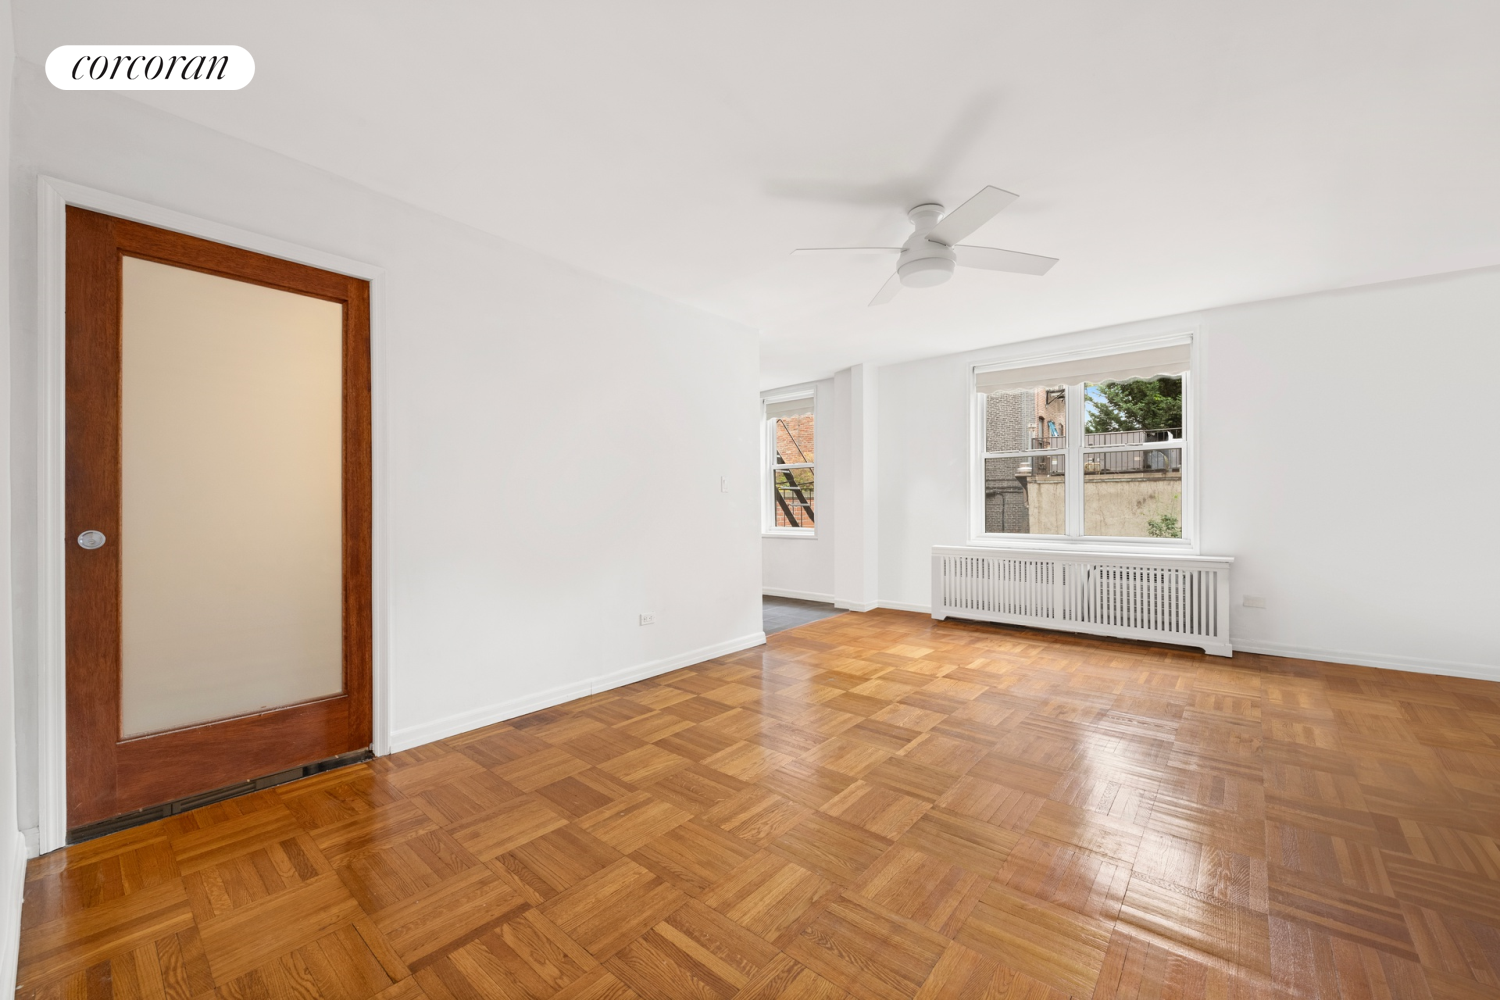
[1117,506]
[1121,505]
[1048,505]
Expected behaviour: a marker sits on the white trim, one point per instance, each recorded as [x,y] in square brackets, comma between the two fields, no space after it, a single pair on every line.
[1102,349]
[1073,483]
[797,595]
[1175,547]
[1056,544]
[925,609]
[53,197]
[807,390]
[853,606]
[1074,406]
[1096,550]
[12,889]
[463,722]
[52,749]
[798,391]
[1443,668]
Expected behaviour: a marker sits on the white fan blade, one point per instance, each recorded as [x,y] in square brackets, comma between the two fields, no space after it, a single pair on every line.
[888,290]
[972,214]
[992,259]
[845,250]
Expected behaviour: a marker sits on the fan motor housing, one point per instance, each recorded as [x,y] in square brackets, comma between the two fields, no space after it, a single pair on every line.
[924,264]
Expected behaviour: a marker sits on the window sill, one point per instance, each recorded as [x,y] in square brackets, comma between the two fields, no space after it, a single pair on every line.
[791,533]
[1069,543]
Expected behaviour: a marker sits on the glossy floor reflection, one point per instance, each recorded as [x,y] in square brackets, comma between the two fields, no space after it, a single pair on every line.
[873,805]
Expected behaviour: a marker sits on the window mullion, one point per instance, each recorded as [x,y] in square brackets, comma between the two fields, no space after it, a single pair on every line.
[1175,443]
[1073,480]
[1023,454]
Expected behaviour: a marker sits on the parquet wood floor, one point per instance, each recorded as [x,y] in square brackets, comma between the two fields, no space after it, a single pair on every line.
[870,806]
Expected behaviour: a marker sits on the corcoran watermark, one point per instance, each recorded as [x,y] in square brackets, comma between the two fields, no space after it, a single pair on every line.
[150,67]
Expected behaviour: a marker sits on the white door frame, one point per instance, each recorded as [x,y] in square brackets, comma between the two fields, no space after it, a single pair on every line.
[53,197]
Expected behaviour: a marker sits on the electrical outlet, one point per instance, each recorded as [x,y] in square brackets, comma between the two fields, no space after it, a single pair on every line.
[1254,602]
[648,618]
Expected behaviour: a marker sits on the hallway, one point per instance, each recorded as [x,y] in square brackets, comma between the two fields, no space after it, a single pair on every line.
[781,613]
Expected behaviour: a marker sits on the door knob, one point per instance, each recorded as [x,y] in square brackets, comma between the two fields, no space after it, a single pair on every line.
[91,539]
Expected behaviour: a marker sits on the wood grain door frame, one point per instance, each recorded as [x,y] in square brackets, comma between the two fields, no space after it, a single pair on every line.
[109,774]
[53,197]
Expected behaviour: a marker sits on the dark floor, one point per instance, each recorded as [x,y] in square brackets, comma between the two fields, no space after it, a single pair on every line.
[782,613]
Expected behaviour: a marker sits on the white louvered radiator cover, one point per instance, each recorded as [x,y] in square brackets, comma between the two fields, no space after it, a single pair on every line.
[1181,599]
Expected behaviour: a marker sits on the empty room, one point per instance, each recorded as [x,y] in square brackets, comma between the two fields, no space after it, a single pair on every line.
[700,501]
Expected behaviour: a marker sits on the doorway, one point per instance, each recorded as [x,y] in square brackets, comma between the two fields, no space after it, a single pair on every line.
[218,516]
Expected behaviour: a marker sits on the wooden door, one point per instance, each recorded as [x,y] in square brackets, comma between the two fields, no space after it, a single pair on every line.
[133,739]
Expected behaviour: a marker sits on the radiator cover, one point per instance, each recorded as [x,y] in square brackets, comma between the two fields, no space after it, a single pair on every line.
[1181,599]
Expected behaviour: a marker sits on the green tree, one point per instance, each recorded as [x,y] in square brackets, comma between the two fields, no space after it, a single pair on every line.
[1143,404]
[1165,526]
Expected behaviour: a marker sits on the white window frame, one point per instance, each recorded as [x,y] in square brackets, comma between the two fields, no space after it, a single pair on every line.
[1073,466]
[768,467]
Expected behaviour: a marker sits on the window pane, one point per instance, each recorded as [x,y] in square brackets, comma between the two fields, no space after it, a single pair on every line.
[1025,420]
[1135,412]
[1024,495]
[792,498]
[792,430]
[1133,494]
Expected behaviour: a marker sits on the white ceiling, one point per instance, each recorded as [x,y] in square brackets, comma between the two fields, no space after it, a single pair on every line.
[1176,154]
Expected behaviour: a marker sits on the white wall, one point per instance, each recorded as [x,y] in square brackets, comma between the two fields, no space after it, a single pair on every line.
[856,556]
[802,567]
[1347,463]
[12,846]
[556,440]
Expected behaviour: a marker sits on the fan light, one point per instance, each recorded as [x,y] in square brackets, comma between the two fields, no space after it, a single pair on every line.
[925,272]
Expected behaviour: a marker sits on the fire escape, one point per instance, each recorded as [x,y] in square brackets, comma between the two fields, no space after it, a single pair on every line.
[794,502]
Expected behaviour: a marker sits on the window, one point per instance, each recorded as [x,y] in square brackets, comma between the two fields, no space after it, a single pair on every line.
[1088,449]
[790,447]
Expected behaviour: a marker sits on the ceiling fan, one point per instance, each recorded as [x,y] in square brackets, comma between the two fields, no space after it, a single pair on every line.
[928,256]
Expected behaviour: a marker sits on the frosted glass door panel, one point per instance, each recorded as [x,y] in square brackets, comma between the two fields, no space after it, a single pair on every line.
[231,520]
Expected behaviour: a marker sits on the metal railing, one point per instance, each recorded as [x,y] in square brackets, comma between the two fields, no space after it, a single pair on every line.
[1162,460]
[1107,438]
[794,500]
[1144,458]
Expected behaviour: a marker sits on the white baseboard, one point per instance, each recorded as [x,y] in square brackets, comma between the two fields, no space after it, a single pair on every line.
[852,606]
[12,888]
[1445,668]
[463,722]
[925,609]
[797,595]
